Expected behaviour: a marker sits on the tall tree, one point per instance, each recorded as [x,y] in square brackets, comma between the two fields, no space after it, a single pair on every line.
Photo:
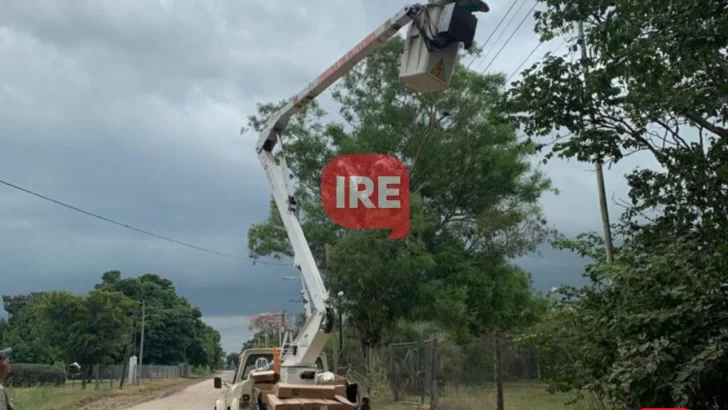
[174,330]
[88,329]
[472,184]
[25,333]
[650,328]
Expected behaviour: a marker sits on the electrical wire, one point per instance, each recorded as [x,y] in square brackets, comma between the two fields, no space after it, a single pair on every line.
[513,17]
[528,14]
[516,71]
[135,229]
[523,62]
[463,93]
[485,43]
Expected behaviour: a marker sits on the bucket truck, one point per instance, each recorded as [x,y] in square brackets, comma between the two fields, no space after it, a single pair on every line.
[437,31]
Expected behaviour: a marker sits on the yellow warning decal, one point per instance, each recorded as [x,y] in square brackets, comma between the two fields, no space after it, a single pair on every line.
[439,70]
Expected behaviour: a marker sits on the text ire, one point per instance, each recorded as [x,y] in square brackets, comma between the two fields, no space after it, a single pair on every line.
[384,191]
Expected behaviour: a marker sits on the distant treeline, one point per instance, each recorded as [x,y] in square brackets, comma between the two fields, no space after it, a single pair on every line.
[104,326]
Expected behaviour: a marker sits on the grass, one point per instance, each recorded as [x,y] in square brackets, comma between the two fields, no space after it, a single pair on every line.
[517,396]
[70,396]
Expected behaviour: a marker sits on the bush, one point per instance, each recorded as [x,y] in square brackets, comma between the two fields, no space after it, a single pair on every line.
[31,374]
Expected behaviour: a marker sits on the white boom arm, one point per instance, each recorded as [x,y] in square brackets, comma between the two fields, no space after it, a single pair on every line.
[299,363]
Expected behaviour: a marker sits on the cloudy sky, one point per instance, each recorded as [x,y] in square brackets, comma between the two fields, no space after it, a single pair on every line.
[131,110]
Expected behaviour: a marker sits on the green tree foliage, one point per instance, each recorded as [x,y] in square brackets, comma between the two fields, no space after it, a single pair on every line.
[51,327]
[86,329]
[232,359]
[474,193]
[25,332]
[650,329]
[174,331]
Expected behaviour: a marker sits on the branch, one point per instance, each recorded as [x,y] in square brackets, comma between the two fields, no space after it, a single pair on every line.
[719,131]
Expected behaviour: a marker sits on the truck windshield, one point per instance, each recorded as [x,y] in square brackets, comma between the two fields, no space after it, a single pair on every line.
[256,361]
[259,361]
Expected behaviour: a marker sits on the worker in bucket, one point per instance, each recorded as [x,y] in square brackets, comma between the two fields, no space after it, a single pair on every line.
[5,403]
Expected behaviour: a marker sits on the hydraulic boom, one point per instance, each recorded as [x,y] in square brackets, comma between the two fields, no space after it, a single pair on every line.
[431,48]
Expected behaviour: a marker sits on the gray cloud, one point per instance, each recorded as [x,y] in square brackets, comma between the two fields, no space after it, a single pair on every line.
[131,110]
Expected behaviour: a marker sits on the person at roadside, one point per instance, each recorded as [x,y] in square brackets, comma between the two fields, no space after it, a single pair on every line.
[5,403]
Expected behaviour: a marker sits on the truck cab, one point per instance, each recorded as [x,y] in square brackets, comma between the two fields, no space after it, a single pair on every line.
[238,393]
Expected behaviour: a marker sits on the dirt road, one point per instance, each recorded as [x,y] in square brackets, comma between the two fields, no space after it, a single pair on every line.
[200,396]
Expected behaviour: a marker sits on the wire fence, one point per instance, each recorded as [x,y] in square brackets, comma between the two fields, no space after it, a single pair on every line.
[101,375]
[443,375]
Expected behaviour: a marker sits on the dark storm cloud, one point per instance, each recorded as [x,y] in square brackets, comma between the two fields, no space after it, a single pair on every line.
[131,110]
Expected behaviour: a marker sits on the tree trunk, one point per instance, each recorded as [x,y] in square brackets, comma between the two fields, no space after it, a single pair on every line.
[497,370]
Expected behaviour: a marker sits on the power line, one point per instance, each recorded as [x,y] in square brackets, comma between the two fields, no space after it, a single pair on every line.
[511,36]
[523,2]
[493,32]
[127,226]
[540,43]
[523,62]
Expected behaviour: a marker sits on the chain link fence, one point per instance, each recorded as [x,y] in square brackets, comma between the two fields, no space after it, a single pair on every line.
[102,375]
[444,376]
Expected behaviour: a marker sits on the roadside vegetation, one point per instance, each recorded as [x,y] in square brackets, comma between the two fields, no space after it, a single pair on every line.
[68,397]
[649,328]
[50,330]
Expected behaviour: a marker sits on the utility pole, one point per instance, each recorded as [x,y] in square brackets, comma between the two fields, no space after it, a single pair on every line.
[128,351]
[608,245]
[282,329]
[141,343]
[340,352]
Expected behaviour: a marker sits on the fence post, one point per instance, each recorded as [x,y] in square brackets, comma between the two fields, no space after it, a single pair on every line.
[498,370]
[96,376]
[421,352]
[434,394]
[393,373]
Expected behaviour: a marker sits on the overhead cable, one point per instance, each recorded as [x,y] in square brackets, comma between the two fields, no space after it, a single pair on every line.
[135,229]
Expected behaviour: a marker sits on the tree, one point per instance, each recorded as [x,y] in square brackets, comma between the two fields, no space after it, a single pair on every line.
[174,331]
[24,331]
[472,185]
[232,360]
[91,329]
[3,326]
[50,327]
[267,327]
[649,327]
[651,84]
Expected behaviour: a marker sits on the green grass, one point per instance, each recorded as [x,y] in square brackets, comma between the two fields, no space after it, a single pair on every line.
[517,396]
[70,396]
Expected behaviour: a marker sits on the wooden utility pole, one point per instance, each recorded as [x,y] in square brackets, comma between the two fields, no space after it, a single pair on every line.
[128,351]
[339,354]
[141,344]
[282,329]
[608,245]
